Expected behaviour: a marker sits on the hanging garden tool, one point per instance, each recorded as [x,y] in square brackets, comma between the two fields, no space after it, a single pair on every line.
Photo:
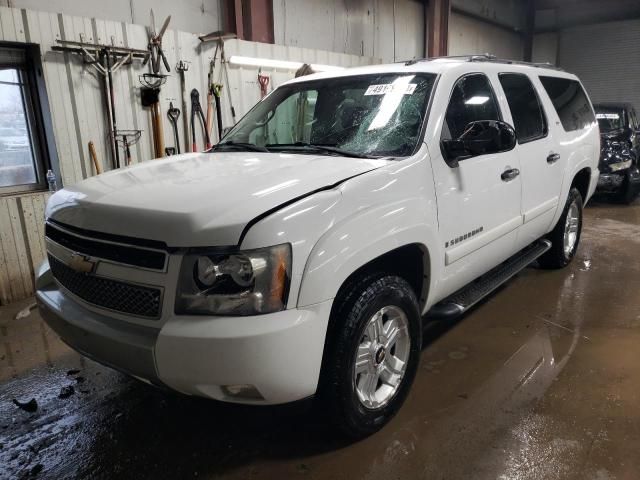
[155,45]
[181,68]
[196,109]
[217,90]
[150,97]
[106,59]
[128,138]
[210,93]
[263,82]
[220,37]
[152,82]
[173,114]
[213,96]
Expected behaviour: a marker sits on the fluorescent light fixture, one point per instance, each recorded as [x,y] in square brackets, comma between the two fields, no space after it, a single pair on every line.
[477,100]
[282,64]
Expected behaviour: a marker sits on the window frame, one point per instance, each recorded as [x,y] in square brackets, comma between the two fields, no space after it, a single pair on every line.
[545,118]
[427,106]
[584,91]
[37,117]
[455,84]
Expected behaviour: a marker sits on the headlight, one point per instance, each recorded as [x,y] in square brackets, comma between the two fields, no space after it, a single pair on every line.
[250,282]
[616,167]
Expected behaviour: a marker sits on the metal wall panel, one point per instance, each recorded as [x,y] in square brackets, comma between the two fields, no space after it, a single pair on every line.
[76,99]
[471,36]
[392,30]
[196,16]
[605,57]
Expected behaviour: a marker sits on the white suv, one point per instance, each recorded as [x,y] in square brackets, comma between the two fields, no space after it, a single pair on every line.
[300,256]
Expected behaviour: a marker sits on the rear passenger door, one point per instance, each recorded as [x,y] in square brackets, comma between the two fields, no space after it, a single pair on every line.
[541,163]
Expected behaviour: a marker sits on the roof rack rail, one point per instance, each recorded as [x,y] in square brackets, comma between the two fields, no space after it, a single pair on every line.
[485,57]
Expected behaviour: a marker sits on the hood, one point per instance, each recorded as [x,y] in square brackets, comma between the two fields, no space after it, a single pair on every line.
[614,135]
[198,199]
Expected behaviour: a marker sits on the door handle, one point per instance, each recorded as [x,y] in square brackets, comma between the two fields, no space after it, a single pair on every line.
[553,158]
[509,174]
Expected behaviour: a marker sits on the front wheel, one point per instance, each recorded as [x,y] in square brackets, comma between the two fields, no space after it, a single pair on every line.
[372,355]
[565,237]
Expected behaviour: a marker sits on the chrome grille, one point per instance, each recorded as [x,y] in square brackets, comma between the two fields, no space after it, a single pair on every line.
[113,249]
[106,293]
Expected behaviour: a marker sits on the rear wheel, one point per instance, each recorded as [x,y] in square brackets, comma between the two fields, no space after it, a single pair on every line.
[565,237]
[371,359]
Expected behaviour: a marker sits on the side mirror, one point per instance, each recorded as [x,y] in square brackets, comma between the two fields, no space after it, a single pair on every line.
[479,138]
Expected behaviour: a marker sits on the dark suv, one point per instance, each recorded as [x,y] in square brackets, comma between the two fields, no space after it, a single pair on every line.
[620,149]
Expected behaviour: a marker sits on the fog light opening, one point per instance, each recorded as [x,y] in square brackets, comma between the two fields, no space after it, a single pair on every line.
[248,392]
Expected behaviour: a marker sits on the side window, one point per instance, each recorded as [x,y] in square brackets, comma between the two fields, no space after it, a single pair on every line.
[634,119]
[528,116]
[570,102]
[472,99]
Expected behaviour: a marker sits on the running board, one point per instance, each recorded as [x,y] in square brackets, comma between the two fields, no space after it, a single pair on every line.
[459,302]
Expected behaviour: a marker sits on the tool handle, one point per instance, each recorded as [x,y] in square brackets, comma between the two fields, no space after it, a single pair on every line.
[209,124]
[94,158]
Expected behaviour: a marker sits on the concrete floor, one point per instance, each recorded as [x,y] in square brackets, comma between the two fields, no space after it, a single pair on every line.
[541,381]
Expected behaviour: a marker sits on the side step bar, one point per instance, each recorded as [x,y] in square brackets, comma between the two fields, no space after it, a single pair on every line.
[459,302]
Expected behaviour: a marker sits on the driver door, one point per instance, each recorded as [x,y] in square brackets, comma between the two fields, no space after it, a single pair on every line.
[478,205]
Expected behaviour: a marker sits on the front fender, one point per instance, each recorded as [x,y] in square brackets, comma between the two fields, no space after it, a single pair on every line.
[362,238]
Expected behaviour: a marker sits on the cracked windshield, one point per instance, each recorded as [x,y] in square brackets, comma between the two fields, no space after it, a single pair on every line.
[363,116]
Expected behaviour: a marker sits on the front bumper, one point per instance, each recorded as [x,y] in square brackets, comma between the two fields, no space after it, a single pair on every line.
[609,182]
[279,354]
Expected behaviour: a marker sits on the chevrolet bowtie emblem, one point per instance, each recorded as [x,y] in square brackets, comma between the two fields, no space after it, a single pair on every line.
[81,263]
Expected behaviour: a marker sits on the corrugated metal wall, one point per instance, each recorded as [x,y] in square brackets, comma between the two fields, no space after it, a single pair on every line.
[196,16]
[392,30]
[76,101]
[471,36]
[605,57]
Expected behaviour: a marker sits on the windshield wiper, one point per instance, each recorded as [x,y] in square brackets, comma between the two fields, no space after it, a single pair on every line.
[241,146]
[314,147]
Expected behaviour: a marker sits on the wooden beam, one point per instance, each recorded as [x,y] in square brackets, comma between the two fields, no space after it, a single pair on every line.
[249,19]
[258,20]
[438,12]
[232,17]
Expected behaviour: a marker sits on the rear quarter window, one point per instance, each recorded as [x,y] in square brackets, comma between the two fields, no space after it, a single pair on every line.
[570,101]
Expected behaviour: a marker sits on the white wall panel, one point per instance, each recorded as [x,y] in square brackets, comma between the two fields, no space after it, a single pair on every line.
[196,16]
[77,102]
[387,29]
[471,36]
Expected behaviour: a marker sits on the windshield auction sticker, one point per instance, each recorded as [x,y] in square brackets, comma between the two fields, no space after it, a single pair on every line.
[385,88]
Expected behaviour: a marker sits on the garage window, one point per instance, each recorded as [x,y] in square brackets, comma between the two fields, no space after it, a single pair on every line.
[570,102]
[22,167]
[528,116]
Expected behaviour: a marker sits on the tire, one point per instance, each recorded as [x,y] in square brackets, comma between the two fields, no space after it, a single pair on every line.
[558,256]
[342,390]
[627,193]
